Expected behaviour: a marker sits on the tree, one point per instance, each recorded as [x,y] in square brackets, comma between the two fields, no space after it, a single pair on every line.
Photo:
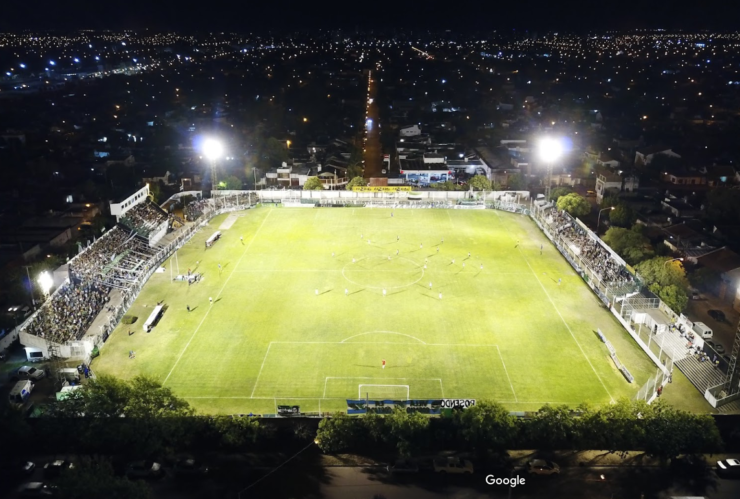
[574,204]
[354,169]
[487,425]
[237,432]
[313,184]
[629,244]
[658,270]
[516,182]
[232,183]
[480,183]
[407,430]
[670,432]
[338,432]
[672,295]
[559,192]
[95,478]
[667,279]
[609,201]
[356,182]
[622,216]
[552,428]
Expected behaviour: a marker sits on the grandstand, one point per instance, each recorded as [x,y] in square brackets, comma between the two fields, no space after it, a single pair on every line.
[109,272]
[117,260]
[607,271]
[145,218]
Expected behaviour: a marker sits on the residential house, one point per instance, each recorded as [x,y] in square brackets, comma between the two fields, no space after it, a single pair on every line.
[645,155]
[684,176]
[607,182]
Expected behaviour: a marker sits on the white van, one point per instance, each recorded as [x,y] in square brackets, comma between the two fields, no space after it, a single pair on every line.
[20,393]
[703,330]
[70,374]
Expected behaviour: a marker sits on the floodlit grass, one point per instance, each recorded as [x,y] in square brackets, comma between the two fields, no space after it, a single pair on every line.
[504,329]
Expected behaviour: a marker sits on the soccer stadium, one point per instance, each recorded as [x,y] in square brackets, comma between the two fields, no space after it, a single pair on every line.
[274,306]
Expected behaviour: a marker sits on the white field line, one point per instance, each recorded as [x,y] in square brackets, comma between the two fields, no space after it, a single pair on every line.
[217,397]
[376,378]
[567,326]
[261,367]
[507,372]
[210,307]
[385,332]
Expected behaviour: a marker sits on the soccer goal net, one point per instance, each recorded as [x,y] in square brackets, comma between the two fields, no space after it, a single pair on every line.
[384,392]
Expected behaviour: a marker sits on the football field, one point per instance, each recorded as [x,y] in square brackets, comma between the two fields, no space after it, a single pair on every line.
[308,305]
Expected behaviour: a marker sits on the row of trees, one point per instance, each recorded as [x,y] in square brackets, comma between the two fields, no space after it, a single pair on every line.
[657,429]
[138,418]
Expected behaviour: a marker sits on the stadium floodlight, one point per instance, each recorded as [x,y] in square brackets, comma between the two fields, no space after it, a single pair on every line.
[45,281]
[549,150]
[212,149]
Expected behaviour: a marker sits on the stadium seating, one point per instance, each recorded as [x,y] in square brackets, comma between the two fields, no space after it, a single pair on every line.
[69,313]
[599,260]
[144,218]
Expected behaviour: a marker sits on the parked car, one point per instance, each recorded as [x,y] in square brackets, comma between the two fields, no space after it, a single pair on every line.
[190,468]
[403,466]
[717,315]
[453,465]
[542,467]
[729,468]
[36,489]
[55,468]
[30,373]
[144,469]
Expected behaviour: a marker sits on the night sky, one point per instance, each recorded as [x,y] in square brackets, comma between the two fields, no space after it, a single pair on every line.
[248,15]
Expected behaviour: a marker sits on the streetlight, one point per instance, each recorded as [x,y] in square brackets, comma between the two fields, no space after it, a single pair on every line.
[598,219]
[213,150]
[550,150]
[45,281]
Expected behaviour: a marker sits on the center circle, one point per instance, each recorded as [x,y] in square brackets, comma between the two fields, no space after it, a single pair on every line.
[378,272]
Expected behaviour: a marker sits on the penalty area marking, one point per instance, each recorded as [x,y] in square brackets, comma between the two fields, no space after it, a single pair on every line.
[385,332]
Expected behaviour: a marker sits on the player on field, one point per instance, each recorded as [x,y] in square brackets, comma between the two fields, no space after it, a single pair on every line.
[383,363]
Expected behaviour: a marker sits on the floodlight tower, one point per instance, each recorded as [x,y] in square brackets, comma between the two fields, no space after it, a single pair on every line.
[45,282]
[550,150]
[213,150]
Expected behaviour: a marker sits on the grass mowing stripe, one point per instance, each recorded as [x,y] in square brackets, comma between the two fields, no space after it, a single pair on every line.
[210,307]
[567,326]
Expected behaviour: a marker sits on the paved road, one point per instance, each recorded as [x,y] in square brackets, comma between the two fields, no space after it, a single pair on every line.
[375,483]
[724,332]
[373,155]
[231,474]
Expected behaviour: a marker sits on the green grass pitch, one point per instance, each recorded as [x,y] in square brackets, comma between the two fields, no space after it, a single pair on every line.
[504,328]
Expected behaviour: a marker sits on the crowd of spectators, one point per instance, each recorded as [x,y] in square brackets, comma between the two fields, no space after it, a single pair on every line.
[195,209]
[69,313]
[116,259]
[598,259]
[144,218]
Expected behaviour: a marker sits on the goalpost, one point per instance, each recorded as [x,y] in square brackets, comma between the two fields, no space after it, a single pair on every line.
[384,392]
